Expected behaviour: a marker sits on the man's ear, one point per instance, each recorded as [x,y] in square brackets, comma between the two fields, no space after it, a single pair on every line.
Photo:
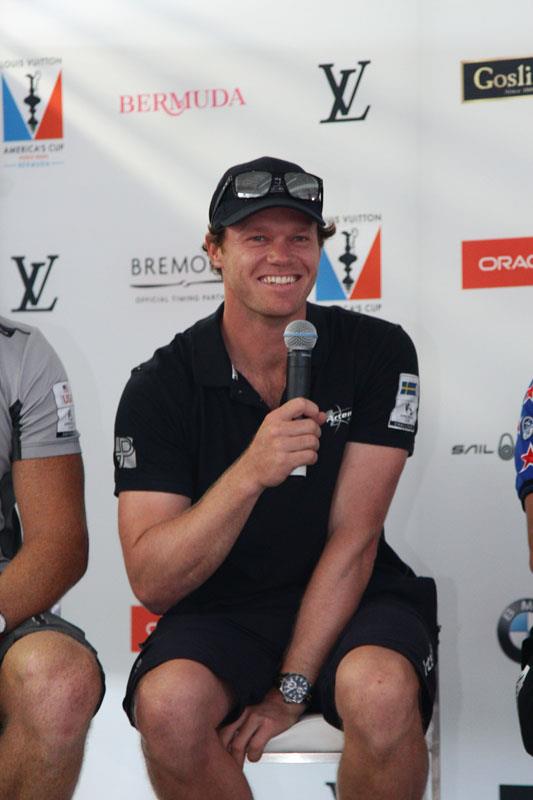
[214,253]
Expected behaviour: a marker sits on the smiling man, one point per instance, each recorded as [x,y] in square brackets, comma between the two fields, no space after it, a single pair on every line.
[278,594]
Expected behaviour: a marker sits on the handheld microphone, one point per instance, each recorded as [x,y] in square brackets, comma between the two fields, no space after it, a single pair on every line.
[300,337]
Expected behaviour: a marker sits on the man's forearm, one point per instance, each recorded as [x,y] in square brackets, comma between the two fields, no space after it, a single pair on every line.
[179,554]
[330,600]
[37,578]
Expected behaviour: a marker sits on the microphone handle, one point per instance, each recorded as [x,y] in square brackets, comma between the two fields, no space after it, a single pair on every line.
[298,373]
[298,385]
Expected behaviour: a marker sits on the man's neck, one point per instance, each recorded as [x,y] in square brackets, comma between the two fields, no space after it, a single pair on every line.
[257,350]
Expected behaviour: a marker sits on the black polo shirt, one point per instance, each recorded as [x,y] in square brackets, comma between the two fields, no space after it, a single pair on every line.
[186,415]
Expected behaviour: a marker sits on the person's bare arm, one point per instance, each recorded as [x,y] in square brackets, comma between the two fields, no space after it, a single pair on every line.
[528,505]
[171,547]
[365,487]
[53,556]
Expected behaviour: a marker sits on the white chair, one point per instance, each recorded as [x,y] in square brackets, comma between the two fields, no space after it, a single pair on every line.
[314,741]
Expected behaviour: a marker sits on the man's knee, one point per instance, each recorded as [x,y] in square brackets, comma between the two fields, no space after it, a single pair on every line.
[177,705]
[377,697]
[50,685]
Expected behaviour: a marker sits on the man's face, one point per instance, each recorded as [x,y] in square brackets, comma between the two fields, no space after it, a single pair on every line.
[269,262]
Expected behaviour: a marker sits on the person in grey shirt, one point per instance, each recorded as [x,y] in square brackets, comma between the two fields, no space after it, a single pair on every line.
[51,682]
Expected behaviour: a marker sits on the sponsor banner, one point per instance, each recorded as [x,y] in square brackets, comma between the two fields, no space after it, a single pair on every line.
[508,792]
[143,622]
[32,112]
[497,78]
[504,448]
[514,626]
[34,276]
[492,263]
[350,264]
[344,87]
[167,279]
[174,104]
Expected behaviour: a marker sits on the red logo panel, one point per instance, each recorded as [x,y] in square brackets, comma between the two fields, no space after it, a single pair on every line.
[492,263]
[143,623]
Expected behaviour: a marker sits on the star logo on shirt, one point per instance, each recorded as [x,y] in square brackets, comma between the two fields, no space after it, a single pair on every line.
[527,458]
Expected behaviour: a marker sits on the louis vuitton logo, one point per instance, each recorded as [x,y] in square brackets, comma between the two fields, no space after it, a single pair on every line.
[32,294]
[343,100]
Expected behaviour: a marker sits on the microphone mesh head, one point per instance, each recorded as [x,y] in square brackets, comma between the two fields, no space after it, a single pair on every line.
[300,335]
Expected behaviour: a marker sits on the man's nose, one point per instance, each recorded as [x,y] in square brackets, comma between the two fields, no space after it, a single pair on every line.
[278,252]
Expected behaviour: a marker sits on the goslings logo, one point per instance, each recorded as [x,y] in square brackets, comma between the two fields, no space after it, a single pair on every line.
[513,627]
[497,78]
[34,277]
[511,792]
[344,92]
[143,623]
[175,104]
[175,279]
[492,263]
[32,109]
[350,263]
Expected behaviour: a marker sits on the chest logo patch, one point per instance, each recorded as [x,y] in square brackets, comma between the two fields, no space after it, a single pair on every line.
[337,416]
[403,415]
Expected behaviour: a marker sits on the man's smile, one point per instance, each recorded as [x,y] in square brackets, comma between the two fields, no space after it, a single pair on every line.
[279,279]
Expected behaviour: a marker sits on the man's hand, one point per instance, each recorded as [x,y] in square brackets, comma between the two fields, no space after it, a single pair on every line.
[288,438]
[249,735]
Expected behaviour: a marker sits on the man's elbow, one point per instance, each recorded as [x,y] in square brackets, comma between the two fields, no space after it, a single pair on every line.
[155,598]
[78,561]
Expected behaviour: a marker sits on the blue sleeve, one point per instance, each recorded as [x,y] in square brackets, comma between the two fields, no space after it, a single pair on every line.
[524,447]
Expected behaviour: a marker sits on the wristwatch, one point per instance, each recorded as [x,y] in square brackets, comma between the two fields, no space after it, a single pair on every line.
[3,623]
[294,688]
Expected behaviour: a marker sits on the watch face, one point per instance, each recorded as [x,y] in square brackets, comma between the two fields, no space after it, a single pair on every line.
[294,688]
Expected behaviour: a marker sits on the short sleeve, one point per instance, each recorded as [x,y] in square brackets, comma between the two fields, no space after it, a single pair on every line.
[151,449]
[524,447]
[43,417]
[387,396]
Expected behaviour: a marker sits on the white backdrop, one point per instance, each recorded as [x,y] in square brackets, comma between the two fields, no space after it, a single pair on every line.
[157,100]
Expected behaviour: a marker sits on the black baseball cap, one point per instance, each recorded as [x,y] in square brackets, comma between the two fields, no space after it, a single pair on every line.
[227,208]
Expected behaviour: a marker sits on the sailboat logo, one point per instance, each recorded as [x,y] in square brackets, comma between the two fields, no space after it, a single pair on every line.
[350,264]
[32,107]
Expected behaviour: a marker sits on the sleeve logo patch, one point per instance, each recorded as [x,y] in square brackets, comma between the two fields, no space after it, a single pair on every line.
[404,414]
[66,419]
[125,455]
[527,427]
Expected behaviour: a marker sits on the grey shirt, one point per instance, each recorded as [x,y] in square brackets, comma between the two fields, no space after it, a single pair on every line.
[36,415]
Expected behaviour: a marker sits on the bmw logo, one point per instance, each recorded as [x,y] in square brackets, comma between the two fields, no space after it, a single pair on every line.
[513,627]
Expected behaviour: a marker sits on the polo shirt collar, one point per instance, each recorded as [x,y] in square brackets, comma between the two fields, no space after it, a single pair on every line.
[212,365]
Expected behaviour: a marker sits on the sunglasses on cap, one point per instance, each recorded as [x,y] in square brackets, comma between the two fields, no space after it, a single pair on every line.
[259,183]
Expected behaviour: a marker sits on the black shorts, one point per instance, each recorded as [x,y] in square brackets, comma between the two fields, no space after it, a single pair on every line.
[245,647]
[47,621]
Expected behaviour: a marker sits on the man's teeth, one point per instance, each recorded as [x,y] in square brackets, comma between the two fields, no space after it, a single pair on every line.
[278,279]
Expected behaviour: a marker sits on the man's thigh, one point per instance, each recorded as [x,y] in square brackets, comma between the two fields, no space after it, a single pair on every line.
[395,624]
[242,650]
